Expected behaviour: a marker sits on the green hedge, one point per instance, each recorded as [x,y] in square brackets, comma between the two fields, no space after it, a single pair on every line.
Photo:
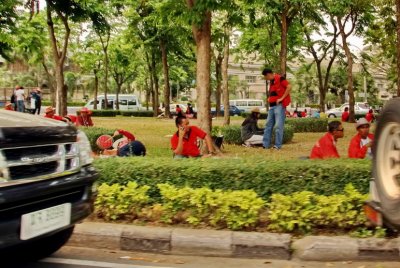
[265,178]
[112,113]
[232,134]
[308,124]
[70,103]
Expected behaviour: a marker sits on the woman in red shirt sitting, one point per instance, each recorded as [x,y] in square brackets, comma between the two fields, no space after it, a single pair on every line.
[184,141]
[370,117]
[345,115]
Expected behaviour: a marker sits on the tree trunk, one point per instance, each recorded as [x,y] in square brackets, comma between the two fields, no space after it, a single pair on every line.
[225,79]
[202,37]
[398,45]
[284,33]
[218,75]
[119,86]
[96,89]
[156,85]
[104,45]
[167,89]
[349,57]
[59,56]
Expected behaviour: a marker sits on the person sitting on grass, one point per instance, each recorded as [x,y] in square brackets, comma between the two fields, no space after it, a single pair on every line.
[84,118]
[326,146]
[184,141]
[9,107]
[250,132]
[50,112]
[361,143]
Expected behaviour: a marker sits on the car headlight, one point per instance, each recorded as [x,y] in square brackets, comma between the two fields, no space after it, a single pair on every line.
[85,150]
[3,168]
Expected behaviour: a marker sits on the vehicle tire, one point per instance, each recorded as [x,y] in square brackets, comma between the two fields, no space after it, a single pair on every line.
[39,248]
[331,116]
[386,161]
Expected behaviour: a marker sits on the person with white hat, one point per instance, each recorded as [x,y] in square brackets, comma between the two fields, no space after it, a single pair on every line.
[250,132]
[361,143]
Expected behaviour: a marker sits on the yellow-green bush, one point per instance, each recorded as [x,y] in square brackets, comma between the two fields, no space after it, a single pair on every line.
[305,211]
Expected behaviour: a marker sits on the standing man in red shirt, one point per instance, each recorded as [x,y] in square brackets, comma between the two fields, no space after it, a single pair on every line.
[184,141]
[326,146]
[279,99]
[361,143]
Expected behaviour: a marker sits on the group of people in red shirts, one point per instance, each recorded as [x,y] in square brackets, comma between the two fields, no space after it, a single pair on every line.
[83,118]
[359,147]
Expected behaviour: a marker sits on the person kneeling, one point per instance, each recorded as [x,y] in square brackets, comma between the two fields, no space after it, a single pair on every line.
[184,141]
[250,132]
[326,146]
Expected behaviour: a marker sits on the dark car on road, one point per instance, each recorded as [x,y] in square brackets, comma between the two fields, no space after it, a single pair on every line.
[46,184]
[233,111]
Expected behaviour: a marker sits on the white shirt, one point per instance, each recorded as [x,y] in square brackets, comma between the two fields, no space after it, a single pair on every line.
[20,94]
[364,142]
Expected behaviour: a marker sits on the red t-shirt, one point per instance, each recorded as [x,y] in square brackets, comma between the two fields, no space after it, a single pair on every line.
[277,90]
[325,148]
[126,134]
[189,143]
[369,117]
[345,116]
[355,148]
[55,117]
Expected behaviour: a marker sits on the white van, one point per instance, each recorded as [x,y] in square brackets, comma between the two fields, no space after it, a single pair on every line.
[126,102]
[247,104]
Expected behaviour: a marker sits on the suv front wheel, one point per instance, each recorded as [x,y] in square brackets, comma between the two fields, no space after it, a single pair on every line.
[386,161]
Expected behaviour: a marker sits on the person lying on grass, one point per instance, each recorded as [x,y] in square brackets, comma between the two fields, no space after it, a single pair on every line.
[126,146]
[184,141]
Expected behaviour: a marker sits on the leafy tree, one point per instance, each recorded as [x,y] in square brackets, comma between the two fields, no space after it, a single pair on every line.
[322,50]
[122,62]
[8,17]
[351,16]
[65,11]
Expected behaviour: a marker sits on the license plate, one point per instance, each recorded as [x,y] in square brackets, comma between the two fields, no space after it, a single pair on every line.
[46,220]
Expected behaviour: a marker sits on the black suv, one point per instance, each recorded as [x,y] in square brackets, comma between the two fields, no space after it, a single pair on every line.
[46,183]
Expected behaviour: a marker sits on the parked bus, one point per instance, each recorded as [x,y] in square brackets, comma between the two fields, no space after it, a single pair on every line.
[126,102]
[247,104]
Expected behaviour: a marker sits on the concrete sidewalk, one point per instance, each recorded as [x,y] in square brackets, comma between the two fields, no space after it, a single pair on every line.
[232,244]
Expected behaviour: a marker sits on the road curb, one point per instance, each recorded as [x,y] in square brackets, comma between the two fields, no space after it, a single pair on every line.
[203,242]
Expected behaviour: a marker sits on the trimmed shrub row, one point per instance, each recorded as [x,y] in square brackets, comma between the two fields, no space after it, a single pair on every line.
[113,113]
[308,124]
[265,178]
[232,134]
[300,212]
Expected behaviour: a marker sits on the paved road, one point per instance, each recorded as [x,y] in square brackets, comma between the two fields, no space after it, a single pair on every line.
[73,257]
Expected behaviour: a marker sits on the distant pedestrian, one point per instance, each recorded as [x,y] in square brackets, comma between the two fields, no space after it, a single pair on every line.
[279,99]
[189,111]
[37,96]
[345,115]
[370,117]
[178,111]
[20,97]
[326,146]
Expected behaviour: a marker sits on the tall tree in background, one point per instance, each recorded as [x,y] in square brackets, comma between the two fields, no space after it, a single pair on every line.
[322,50]
[351,16]
[66,11]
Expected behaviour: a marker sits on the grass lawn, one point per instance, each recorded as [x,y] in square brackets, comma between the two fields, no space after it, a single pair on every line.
[156,133]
